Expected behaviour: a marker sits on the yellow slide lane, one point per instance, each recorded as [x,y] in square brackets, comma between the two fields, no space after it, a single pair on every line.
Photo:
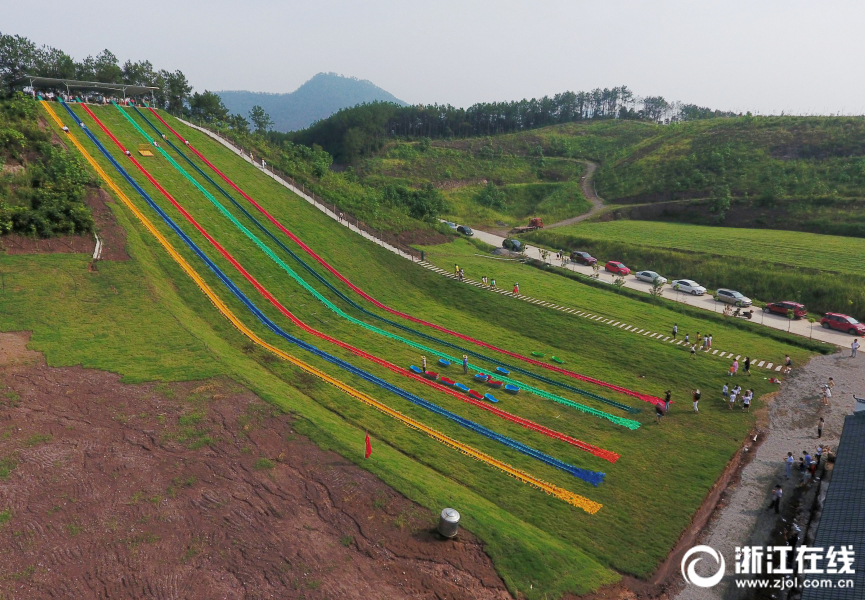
[587,505]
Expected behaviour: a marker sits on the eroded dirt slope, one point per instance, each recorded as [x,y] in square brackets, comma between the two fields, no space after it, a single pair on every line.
[197,491]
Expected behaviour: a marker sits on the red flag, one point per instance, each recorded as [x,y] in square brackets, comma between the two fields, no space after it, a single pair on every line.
[368,447]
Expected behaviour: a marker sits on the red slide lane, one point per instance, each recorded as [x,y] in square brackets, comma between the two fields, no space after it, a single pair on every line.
[365,296]
[599,452]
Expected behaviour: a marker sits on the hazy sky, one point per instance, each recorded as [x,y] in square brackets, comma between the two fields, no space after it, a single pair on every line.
[761,55]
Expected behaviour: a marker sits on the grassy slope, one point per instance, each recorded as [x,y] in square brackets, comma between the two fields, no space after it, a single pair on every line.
[545,531]
[533,186]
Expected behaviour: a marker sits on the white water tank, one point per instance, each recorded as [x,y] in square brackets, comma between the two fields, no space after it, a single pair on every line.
[449,522]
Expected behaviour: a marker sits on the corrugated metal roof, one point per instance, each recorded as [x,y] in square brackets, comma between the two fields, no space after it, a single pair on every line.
[843,519]
[133,90]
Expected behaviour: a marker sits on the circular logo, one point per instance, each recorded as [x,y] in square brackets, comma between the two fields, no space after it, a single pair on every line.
[690,573]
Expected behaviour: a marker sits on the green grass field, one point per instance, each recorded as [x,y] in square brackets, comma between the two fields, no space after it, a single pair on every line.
[535,540]
[832,253]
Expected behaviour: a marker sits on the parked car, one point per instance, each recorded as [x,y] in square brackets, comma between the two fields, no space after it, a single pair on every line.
[514,245]
[615,266]
[650,276]
[783,308]
[732,297]
[583,257]
[688,286]
[451,224]
[842,323]
[465,230]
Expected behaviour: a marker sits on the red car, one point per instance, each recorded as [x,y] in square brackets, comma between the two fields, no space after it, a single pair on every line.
[784,308]
[617,267]
[842,323]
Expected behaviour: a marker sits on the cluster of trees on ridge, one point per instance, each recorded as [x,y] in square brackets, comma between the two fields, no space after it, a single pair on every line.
[361,130]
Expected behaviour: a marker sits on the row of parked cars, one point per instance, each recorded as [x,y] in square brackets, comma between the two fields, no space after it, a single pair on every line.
[837,321]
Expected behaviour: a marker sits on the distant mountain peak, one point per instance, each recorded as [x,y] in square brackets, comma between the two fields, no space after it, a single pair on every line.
[321,96]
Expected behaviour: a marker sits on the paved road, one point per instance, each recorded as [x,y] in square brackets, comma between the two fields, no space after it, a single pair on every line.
[800,327]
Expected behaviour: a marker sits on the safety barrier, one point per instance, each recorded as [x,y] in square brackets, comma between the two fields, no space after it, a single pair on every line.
[644,397]
[576,500]
[629,423]
[593,477]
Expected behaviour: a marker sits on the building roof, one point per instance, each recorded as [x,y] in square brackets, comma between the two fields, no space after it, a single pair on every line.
[843,519]
[125,89]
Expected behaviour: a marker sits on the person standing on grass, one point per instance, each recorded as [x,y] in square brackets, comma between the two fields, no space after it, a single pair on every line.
[517,289]
[746,400]
[854,348]
[733,394]
[493,284]
[687,338]
[675,330]
[725,392]
[423,363]
[820,424]
[456,270]
[465,364]
[735,367]
[693,350]
[710,341]
[659,412]
[748,365]
[699,339]
[667,396]
[706,344]
[696,396]
[776,499]
[788,467]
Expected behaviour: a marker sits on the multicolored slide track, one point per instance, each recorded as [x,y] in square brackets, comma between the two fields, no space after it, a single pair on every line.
[593,477]
[576,500]
[600,452]
[623,390]
[583,474]
[360,308]
[629,423]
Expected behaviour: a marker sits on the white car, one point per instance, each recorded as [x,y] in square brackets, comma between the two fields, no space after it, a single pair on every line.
[451,224]
[688,286]
[650,276]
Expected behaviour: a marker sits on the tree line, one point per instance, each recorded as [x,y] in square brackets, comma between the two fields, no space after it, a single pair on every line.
[363,129]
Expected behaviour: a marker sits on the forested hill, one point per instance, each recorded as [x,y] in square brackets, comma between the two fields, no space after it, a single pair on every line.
[318,98]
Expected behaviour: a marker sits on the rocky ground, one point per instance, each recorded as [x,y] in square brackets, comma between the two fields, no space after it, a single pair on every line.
[197,490]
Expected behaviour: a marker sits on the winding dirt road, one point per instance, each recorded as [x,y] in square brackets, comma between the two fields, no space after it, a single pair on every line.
[587,182]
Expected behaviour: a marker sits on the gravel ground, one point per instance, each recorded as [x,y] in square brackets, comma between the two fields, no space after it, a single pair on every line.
[792,427]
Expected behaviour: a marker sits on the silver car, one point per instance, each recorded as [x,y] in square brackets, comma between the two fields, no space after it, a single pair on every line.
[688,286]
[732,297]
[650,277]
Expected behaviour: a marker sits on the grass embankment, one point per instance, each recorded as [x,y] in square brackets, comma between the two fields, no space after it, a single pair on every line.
[534,539]
[826,273]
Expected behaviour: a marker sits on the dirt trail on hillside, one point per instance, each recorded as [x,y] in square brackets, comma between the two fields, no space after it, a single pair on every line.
[587,183]
[197,490]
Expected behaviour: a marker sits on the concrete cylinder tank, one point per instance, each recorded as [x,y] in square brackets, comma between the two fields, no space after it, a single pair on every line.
[449,523]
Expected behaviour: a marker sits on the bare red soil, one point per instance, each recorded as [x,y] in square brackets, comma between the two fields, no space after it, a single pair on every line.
[197,490]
